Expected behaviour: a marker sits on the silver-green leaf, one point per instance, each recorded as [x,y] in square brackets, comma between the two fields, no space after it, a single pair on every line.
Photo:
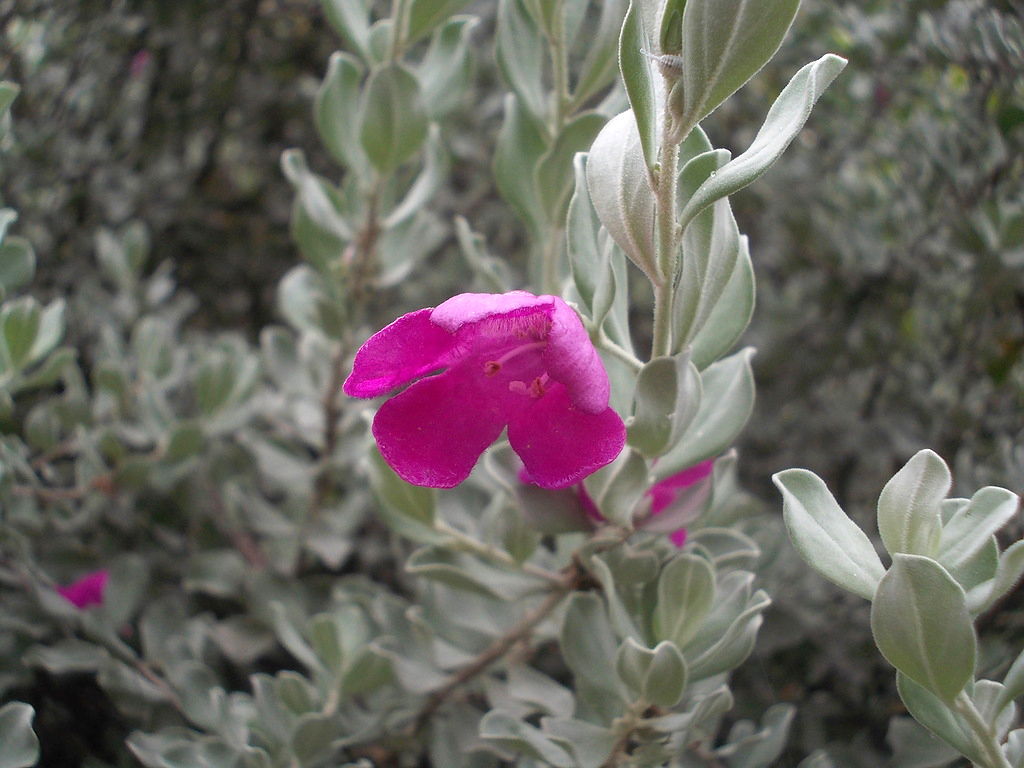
[826,538]
[785,119]
[392,123]
[621,192]
[20,747]
[921,624]
[909,505]
[725,43]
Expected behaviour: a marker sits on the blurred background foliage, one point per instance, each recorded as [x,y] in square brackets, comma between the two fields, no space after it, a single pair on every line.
[888,244]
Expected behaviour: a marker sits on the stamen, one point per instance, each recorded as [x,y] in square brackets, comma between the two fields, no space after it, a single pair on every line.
[491,367]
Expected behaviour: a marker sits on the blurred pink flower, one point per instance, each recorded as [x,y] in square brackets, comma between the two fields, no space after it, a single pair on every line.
[139,63]
[87,590]
[480,362]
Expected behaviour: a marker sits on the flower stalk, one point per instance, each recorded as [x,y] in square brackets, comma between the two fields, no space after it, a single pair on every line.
[982,732]
[667,237]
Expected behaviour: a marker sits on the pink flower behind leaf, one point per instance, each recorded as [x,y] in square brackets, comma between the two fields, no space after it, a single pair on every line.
[87,590]
[679,496]
[479,363]
[678,499]
[664,493]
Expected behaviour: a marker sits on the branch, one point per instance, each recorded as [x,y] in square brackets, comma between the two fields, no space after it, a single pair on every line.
[498,649]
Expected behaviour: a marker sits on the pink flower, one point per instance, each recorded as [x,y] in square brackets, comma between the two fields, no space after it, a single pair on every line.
[87,590]
[139,63]
[512,359]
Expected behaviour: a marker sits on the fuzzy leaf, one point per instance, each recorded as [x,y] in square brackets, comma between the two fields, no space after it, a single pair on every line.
[8,93]
[909,505]
[509,732]
[784,120]
[351,19]
[725,43]
[686,592]
[336,114]
[20,745]
[936,716]
[1013,683]
[638,78]
[972,527]
[710,252]
[921,625]
[598,68]
[520,146]
[621,193]
[446,71]
[17,261]
[667,396]
[553,180]
[726,402]
[828,540]
[665,680]
[392,124]
[425,15]
[520,52]
[588,643]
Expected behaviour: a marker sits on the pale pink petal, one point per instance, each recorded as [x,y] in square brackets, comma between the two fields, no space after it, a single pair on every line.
[678,537]
[410,347]
[561,444]
[87,590]
[433,433]
[469,308]
[570,358]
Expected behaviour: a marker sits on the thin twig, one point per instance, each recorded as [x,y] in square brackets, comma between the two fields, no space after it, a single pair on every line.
[332,414]
[361,256]
[242,540]
[498,649]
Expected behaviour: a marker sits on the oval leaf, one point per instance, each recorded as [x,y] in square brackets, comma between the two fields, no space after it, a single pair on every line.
[20,747]
[621,192]
[686,592]
[921,625]
[667,396]
[909,506]
[725,43]
[335,113]
[828,540]
[634,40]
[785,119]
[972,526]
[726,401]
[393,125]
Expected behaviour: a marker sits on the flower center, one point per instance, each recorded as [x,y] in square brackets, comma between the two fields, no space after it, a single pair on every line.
[491,367]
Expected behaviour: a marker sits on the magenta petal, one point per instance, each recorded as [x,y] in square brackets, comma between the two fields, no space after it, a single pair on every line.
[87,591]
[561,444]
[571,359]
[410,347]
[433,433]
[473,307]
